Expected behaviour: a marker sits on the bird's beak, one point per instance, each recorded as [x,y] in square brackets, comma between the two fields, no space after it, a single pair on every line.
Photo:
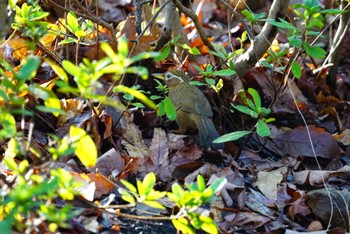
[158,75]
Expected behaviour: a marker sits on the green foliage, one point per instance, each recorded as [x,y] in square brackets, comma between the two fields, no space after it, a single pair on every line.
[208,72]
[252,17]
[143,193]
[32,191]
[78,30]
[256,111]
[166,50]
[188,219]
[29,20]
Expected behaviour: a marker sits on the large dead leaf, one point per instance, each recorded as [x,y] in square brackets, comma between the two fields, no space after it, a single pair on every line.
[159,155]
[296,143]
[337,211]
[317,177]
[268,181]
[132,138]
[110,163]
[256,201]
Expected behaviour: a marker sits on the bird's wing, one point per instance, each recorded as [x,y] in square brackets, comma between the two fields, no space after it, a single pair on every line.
[192,100]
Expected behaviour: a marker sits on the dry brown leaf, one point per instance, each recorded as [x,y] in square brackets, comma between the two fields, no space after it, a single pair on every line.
[244,218]
[338,209]
[268,182]
[133,140]
[316,177]
[256,201]
[110,163]
[297,143]
[159,155]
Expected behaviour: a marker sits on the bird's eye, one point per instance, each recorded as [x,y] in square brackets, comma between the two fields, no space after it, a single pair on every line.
[168,75]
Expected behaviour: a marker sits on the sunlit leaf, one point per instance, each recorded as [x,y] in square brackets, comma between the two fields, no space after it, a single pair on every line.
[154,204]
[85,147]
[58,70]
[129,186]
[72,22]
[8,125]
[137,94]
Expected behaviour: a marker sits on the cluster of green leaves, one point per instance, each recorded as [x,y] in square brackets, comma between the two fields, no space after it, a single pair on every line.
[310,16]
[256,111]
[188,219]
[29,21]
[79,30]
[167,48]
[165,106]
[34,197]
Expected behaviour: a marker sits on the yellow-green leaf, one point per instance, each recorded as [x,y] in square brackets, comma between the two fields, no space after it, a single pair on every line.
[84,146]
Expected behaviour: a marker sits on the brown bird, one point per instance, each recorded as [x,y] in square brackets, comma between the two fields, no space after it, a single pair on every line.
[193,110]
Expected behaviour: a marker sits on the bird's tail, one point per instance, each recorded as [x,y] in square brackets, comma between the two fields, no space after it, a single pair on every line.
[207,133]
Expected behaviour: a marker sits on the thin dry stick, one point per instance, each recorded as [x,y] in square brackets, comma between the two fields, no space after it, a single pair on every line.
[240,19]
[188,12]
[313,150]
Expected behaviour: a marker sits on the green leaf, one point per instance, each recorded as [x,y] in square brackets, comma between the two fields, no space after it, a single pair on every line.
[197,83]
[123,48]
[210,81]
[8,124]
[155,195]
[139,95]
[143,55]
[256,98]
[67,41]
[129,186]
[231,136]
[283,24]
[58,70]
[296,69]
[169,109]
[84,146]
[55,111]
[108,50]
[247,110]
[263,129]
[208,225]
[314,51]
[218,184]
[181,224]
[192,50]
[138,105]
[164,53]
[127,196]
[166,107]
[71,68]
[72,22]
[141,71]
[332,11]
[148,183]
[29,68]
[154,204]
[200,183]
